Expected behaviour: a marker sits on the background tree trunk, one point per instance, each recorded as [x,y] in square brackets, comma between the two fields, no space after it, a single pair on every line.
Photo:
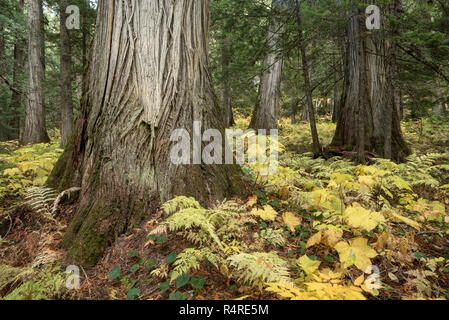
[294,102]
[19,61]
[34,127]
[225,63]
[148,75]
[66,77]
[369,121]
[266,114]
[307,84]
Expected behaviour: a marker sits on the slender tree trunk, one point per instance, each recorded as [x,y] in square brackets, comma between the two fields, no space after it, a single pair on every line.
[307,84]
[16,94]
[66,77]
[305,113]
[19,60]
[396,10]
[148,75]
[266,113]
[369,121]
[294,108]
[34,127]
[226,95]
[4,130]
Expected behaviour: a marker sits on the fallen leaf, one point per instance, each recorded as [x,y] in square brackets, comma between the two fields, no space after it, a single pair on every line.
[358,217]
[308,265]
[267,213]
[291,220]
[356,252]
[314,240]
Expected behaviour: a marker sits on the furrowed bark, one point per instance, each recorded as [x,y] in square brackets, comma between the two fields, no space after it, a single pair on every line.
[369,121]
[148,75]
[266,113]
[34,126]
[66,77]
[317,150]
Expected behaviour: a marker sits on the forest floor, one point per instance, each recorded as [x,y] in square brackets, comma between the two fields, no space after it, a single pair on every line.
[318,229]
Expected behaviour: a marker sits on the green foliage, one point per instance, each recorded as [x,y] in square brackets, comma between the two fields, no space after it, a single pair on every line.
[132,293]
[190,260]
[273,237]
[260,267]
[26,167]
[115,273]
[29,284]
[178,204]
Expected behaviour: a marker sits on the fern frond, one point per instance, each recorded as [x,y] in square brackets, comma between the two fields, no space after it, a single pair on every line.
[41,199]
[260,267]
[273,237]
[190,260]
[180,203]
[190,218]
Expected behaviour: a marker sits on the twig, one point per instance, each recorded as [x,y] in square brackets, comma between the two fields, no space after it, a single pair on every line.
[87,279]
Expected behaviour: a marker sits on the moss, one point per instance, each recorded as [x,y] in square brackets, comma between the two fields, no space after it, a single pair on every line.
[47,284]
[89,233]
[61,177]
[11,278]
[89,249]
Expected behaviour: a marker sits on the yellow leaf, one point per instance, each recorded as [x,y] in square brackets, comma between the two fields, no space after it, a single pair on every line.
[368,181]
[291,220]
[267,213]
[359,281]
[251,202]
[401,183]
[28,165]
[395,217]
[308,265]
[314,240]
[12,172]
[359,217]
[357,253]
[332,237]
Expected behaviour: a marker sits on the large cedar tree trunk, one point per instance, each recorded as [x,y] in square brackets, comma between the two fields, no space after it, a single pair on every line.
[34,126]
[148,75]
[369,121]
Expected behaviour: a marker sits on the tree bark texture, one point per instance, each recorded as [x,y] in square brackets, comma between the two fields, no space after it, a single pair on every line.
[369,121]
[148,75]
[34,126]
[226,58]
[266,113]
[66,77]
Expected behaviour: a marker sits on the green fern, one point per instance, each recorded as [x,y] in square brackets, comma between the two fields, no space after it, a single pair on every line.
[273,237]
[190,260]
[180,203]
[190,219]
[260,267]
